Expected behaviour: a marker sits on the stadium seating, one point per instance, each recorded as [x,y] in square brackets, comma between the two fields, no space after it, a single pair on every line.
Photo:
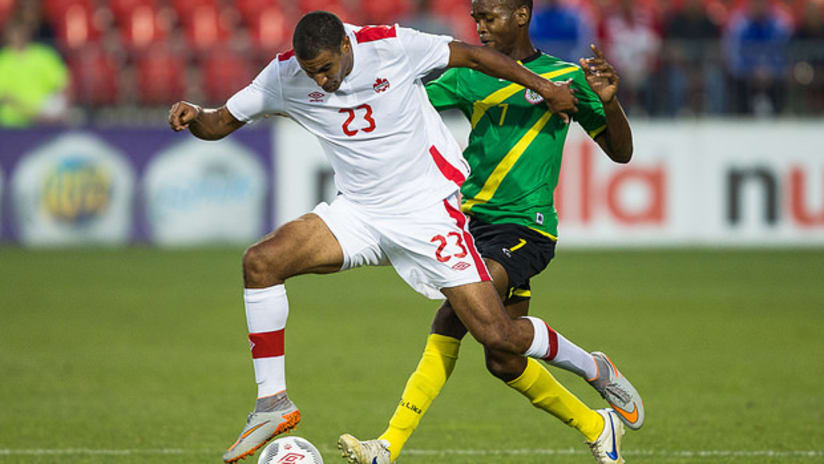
[271,30]
[161,76]
[224,73]
[386,11]
[123,9]
[205,26]
[6,8]
[95,80]
[339,7]
[74,25]
[142,26]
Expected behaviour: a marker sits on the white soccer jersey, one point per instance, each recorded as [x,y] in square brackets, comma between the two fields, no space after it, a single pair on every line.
[387,145]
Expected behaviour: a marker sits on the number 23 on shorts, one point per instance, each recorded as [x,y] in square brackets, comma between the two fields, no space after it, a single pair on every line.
[443,241]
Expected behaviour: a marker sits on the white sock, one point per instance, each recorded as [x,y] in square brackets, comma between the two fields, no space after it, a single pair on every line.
[552,347]
[266,313]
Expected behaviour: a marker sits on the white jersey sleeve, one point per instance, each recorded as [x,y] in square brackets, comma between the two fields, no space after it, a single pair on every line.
[263,96]
[426,52]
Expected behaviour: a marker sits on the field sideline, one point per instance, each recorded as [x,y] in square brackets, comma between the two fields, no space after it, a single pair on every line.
[136,355]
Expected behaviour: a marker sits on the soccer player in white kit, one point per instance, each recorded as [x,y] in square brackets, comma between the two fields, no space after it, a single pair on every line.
[398,170]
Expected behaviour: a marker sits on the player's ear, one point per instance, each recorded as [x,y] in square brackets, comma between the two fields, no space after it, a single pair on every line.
[522,16]
[345,46]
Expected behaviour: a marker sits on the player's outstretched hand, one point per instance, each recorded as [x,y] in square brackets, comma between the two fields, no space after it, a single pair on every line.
[560,98]
[182,114]
[600,75]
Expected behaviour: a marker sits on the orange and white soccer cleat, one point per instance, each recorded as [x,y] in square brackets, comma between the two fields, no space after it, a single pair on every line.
[262,426]
[619,393]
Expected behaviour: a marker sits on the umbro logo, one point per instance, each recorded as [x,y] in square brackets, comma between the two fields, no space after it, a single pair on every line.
[380,85]
[251,345]
[316,97]
[461,266]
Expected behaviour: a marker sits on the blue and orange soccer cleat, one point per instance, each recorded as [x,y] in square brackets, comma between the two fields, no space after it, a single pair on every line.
[619,393]
[262,425]
[607,447]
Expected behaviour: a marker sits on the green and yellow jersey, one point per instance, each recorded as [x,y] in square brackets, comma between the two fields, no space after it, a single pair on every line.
[516,143]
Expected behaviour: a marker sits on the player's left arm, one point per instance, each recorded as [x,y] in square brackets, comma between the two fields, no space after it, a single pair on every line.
[557,95]
[616,140]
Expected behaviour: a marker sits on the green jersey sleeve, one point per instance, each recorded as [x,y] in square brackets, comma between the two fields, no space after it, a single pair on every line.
[443,91]
[590,113]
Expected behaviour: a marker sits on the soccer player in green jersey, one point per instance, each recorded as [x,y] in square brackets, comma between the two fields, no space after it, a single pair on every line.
[515,150]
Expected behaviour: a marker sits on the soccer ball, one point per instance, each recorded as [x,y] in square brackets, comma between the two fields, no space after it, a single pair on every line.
[290,450]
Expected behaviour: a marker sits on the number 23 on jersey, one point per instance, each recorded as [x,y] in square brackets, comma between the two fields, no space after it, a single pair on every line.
[363,111]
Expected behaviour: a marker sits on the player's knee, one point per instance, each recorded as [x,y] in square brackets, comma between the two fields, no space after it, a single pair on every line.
[504,367]
[259,269]
[495,339]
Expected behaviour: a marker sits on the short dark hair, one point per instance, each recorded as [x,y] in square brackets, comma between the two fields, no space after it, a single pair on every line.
[317,31]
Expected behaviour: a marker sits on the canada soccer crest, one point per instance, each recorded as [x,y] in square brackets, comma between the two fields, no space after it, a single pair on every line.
[533,97]
[381,85]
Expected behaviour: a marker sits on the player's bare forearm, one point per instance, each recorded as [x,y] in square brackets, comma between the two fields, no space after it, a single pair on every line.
[214,124]
[559,97]
[203,123]
[616,141]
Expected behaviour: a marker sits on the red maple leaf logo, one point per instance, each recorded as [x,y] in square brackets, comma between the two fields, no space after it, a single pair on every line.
[380,85]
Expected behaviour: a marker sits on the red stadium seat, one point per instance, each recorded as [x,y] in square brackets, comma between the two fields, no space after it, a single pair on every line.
[94,77]
[224,73]
[75,26]
[186,8]
[142,27]
[161,76]
[250,9]
[6,8]
[386,11]
[271,30]
[56,9]
[123,9]
[205,27]
[337,7]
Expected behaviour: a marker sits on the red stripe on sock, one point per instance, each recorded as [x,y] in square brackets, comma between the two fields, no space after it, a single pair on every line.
[266,344]
[553,343]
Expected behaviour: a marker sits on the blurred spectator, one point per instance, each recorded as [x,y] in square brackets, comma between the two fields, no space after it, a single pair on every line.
[689,62]
[756,52]
[561,29]
[632,44]
[691,22]
[808,54]
[33,79]
[811,25]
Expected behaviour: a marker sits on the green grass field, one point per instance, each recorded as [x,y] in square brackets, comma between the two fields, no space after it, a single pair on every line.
[140,355]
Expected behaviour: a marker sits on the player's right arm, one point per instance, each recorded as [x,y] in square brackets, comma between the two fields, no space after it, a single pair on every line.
[206,124]
[258,99]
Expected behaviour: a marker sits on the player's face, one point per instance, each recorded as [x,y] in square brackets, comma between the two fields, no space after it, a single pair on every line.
[330,67]
[496,24]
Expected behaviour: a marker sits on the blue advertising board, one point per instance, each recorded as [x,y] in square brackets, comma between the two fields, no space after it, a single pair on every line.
[62,187]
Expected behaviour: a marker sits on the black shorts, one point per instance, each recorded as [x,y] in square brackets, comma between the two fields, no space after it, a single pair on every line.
[522,252]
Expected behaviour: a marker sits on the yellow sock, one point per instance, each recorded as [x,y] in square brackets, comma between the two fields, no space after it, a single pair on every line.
[537,384]
[423,386]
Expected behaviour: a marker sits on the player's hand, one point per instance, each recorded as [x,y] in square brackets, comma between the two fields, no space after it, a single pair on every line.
[600,75]
[560,98]
[182,114]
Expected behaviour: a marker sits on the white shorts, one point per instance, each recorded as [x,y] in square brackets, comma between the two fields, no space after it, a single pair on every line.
[430,248]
